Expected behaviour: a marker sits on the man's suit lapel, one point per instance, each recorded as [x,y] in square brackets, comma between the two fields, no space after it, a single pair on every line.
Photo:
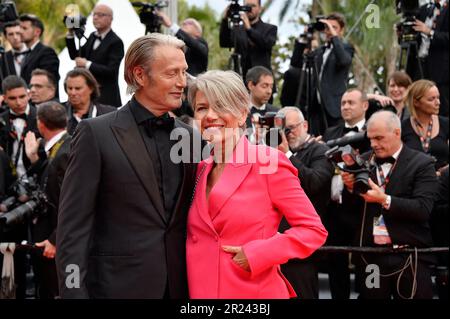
[396,176]
[30,57]
[90,44]
[10,63]
[130,140]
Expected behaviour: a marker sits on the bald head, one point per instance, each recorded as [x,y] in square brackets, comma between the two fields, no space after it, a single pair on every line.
[102,17]
[104,8]
[384,133]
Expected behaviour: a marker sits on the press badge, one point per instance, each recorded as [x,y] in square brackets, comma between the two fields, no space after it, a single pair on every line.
[380,232]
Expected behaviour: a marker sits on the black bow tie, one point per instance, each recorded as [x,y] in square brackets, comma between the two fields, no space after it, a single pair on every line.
[351,129]
[165,123]
[97,37]
[16,54]
[381,161]
[256,110]
[13,116]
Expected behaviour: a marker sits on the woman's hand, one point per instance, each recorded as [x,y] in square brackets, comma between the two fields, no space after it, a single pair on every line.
[239,257]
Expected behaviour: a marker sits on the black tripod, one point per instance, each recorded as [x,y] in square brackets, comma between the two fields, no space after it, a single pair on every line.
[309,84]
[409,54]
[235,60]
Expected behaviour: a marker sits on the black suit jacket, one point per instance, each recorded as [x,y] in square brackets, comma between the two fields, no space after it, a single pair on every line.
[51,172]
[196,53]
[334,77]
[412,187]
[105,64]
[42,57]
[254,45]
[436,66]
[72,121]
[6,141]
[7,64]
[112,223]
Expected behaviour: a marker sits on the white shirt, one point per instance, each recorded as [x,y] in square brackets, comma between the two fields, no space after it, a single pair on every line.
[19,126]
[18,61]
[386,167]
[94,114]
[48,145]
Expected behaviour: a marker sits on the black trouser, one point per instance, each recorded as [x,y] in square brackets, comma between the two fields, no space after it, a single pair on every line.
[398,285]
[46,277]
[302,275]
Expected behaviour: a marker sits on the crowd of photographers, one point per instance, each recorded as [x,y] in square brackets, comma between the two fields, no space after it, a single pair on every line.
[374,166]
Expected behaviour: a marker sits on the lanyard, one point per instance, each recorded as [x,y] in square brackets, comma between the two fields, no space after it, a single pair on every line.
[385,180]
[425,140]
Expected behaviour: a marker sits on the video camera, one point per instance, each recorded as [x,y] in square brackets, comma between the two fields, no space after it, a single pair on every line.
[234,12]
[312,27]
[274,124]
[28,201]
[148,15]
[343,150]
[77,23]
[8,12]
[409,10]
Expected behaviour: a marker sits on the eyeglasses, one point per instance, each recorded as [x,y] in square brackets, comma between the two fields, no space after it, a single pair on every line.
[294,126]
[100,14]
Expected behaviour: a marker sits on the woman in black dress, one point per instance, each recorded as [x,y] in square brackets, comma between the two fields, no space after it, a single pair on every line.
[425,130]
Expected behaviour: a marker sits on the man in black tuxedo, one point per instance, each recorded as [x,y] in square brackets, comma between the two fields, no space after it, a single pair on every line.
[190,32]
[315,173]
[124,200]
[341,219]
[253,40]
[101,54]
[13,59]
[49,163]
[332,62]
[433,44]
[259,82]
[83,91]
[396,213]
[39,55]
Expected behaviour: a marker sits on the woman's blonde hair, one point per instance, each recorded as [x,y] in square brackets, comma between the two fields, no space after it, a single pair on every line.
[224,90]
[415,92]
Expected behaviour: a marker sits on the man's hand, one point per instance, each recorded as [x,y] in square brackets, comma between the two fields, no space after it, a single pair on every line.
[284,146]
[49,249]
[384,100]
[330,27]
[239,257]
[246,21]
[419,26]
[31,147]
[164,19]
[348,180]
[80,62]
[375,194]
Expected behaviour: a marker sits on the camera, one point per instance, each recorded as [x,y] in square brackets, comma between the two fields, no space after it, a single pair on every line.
[343,150]
[29,200]
[77,23]
[8,12]
[234,12]
[273,124]
[310,28]
[148,15]
[408,9]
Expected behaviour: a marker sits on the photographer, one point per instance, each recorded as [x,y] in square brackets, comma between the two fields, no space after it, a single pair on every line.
[396,212]
[101,54]
[50,163]
[314,173]
[331,65]
[39,56]
[190,32]
[253,39]
[433,43]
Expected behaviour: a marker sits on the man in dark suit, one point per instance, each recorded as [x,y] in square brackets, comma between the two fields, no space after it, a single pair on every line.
[433,44]
[39,55]
[123,208]
[13,59]
[341,219]
[315,173]
[190,32]
[101,54]
[259,81]
[49,163]
[396,213]
[83,91]
[42,87]
[331,63]
[253,40]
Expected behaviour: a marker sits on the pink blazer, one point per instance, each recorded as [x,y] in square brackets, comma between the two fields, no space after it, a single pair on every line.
[244,209]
